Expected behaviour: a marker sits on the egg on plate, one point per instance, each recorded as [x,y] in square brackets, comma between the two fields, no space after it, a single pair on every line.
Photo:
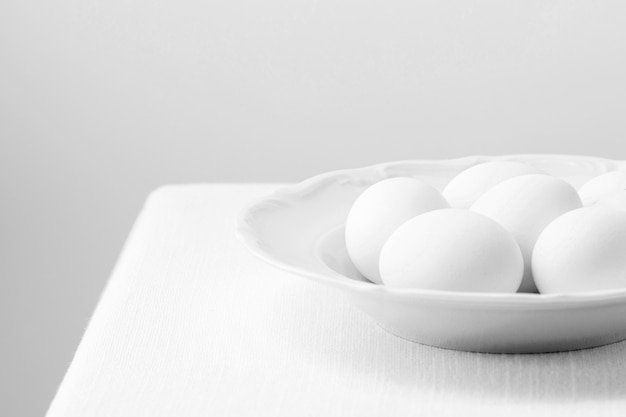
[525,205]
[582,250]
[378,211]
[601,186]
[453,250]
[467,186]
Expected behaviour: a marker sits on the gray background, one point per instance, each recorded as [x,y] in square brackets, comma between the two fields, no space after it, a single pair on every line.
[102,101]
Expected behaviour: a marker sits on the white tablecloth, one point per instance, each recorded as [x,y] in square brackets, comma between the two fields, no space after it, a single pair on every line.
[191,324]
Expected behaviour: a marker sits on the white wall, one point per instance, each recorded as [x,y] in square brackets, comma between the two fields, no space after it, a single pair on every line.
[102,101]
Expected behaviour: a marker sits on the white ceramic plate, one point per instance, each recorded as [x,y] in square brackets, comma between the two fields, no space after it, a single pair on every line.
[300,229]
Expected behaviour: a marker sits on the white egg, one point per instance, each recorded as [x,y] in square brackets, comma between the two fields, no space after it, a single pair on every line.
[583,250]
[452,250]
[615,200]
[602,185]
[465,188]
[525,205]
[378,211]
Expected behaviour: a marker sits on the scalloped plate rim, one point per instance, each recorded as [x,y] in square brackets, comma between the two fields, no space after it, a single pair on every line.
[287,194]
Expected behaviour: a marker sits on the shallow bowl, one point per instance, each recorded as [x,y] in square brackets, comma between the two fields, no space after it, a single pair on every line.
[300,229]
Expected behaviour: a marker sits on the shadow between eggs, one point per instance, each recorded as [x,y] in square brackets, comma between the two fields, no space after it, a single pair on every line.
[355,345]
